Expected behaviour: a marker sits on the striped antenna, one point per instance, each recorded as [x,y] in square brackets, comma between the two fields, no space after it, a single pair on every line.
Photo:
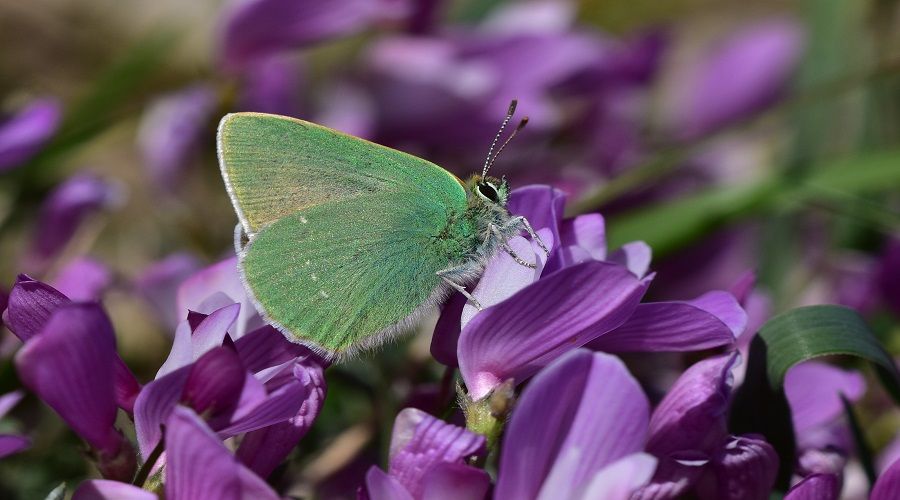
[490,156]
[513,134]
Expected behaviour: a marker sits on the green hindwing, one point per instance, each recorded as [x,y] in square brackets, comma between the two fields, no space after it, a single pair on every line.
[345,236]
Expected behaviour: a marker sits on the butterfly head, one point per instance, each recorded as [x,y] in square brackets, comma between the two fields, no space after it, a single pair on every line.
[489,191]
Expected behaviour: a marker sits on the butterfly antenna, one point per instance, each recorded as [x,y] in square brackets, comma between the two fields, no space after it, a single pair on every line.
[500,150]
[489,160]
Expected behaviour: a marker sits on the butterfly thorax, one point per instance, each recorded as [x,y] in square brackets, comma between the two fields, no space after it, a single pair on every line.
[474,236]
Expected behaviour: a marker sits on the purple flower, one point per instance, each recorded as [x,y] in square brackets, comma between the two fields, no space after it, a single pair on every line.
[688,434]
[272,85]
[815,487]
[427,460]
[83,279]
[104,489]
[64,210]
[32,305]
[214,287]
[23,135]
[888,270]
[814,391]
[889,454]
[580,295]
[10,444]
[199,466]
[71,364]
[171,131]
[740,75]
[578,431]
[159,284]
[888,483]
[256,29]
[261,386]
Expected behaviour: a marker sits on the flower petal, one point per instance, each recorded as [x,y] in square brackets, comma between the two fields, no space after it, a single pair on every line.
[421,442]
[9,400]
[888,483]
[215,382]
[542,205]
[262,450]
[210,333]
[103,489]
[447,330]
[586,231]
[281,405]
[724,306]
[159,283]
[182,352]
[381,486]
[83,279]
[636,256]
[744,72]
[745,469]
[561,312]
[673,478]
[266,347]
[503,277]
[666,327]
[455,481]
[31,303]
[692,414]
[171,131]
[153,406]
[69,364]
[11,444]
[199,466]
[273,85]
[223,278]
[64,209]
[816,487]
[23,136]
[814,390]
[587,402]
[260,28]
[620,479]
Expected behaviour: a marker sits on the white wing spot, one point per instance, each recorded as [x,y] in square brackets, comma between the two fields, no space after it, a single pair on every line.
[314,277]
[303,220]
[323,294]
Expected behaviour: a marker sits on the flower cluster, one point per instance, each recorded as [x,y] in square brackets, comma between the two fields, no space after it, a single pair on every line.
[612,369]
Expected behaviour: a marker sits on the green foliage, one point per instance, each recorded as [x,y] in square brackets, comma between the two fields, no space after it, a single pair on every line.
[801,334]
[672,225]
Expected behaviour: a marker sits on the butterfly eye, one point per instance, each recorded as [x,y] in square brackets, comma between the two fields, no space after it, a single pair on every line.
[489,192]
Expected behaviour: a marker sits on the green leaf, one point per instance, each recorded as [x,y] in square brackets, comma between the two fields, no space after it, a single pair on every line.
[814,331]
[760,405]
[672,225]
[863,450]
[759,408]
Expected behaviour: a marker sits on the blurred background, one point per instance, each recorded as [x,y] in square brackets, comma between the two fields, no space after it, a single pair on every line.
[729,135]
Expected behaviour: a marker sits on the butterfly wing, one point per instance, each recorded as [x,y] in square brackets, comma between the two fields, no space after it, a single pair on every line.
[274,165]
[345,236]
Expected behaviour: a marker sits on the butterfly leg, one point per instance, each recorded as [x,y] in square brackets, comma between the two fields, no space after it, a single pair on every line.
[497,234]
[456,286]
[522,222]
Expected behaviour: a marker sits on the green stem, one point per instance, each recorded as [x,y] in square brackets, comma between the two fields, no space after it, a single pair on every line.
[144,472]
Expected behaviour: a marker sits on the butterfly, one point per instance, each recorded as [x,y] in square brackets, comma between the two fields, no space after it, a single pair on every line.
[342,243]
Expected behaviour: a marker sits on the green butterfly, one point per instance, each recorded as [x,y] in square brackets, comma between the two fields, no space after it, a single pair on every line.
[343,243]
